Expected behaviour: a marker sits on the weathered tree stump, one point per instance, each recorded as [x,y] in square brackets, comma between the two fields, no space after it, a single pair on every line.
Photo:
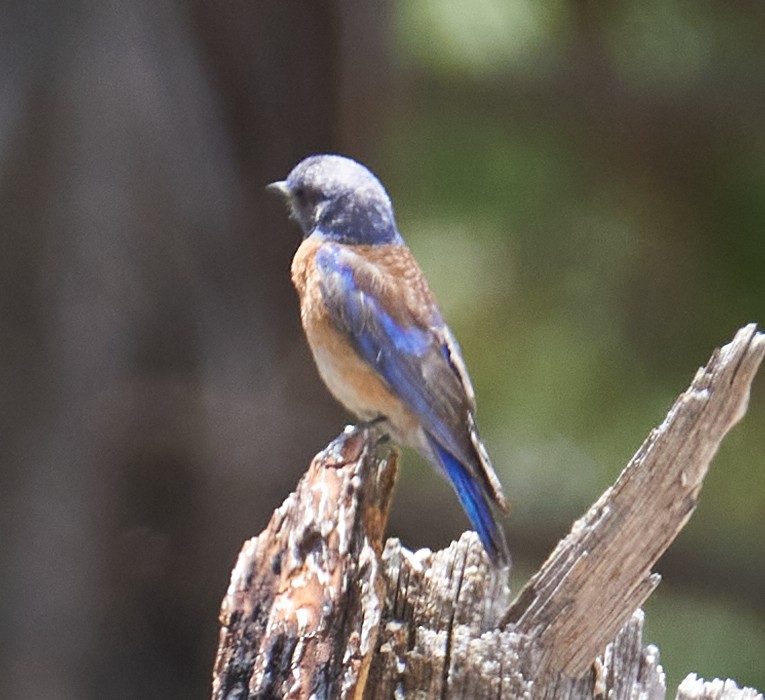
[319,608]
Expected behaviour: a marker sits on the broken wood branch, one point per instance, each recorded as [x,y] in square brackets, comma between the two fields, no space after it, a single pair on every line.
[601,572]
[317,607]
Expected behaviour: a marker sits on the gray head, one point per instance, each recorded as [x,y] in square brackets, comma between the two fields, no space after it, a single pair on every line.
[339,199]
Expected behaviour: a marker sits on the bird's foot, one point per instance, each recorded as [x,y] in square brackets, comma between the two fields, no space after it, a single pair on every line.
[364,425]
[347,446]
[374,424]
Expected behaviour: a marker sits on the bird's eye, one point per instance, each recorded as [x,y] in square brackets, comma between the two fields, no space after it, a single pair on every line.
[300,193]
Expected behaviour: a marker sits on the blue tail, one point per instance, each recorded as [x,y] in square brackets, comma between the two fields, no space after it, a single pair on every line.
[476,505]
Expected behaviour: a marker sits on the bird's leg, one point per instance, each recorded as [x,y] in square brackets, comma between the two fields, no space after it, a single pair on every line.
[369,425]
[347,446]
[378,422]
[372,423]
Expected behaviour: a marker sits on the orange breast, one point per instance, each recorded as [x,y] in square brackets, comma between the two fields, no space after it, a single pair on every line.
[348,377]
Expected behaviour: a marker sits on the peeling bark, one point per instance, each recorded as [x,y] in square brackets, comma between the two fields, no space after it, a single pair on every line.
[318,608]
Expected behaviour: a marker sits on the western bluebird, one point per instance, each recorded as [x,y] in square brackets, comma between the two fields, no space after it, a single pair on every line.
[377,334]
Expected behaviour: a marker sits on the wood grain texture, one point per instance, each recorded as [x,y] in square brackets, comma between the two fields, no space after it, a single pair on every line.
[439,633]
[601,572]
[440,638]
[301,615]
[693,688]
[318,609]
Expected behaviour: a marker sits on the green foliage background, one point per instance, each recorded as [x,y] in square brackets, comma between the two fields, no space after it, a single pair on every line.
[585,186]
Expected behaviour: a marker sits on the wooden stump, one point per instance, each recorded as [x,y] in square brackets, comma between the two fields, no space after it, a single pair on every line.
[319,608]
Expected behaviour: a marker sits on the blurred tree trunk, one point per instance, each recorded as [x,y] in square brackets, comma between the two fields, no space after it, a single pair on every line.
[147,320]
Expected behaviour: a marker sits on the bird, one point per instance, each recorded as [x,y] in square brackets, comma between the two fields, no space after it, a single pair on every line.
[377,334]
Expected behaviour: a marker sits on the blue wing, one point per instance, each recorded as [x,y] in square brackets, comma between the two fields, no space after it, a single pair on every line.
[475,503]
[398,329]
[407,346]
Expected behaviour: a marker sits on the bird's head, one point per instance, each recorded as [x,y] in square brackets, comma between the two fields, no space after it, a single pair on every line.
[337,198]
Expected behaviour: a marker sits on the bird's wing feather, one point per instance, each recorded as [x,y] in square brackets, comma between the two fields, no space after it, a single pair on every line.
[398,329]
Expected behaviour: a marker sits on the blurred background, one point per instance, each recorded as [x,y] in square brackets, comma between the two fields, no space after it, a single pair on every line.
[583,183]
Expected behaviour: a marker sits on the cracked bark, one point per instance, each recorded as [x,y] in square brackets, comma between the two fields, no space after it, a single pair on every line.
[319,607]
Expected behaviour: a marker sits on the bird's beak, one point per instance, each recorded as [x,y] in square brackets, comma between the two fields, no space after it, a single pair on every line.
[280,187]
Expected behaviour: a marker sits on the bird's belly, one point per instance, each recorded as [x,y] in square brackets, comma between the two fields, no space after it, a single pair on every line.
[357,386]
[347,376]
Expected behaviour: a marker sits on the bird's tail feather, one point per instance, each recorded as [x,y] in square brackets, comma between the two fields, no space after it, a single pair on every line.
[477,506]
